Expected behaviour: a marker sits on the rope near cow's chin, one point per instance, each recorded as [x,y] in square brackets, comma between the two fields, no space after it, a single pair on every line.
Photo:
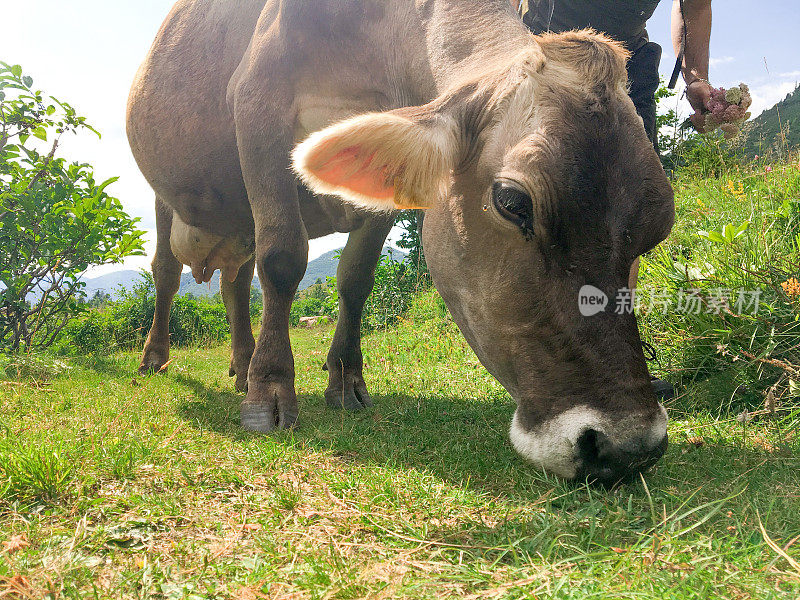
[552,3]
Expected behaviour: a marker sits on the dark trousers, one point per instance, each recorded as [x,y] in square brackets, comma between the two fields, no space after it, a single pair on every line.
[644,81]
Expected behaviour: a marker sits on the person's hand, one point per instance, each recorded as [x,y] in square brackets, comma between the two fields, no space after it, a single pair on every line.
[698,93]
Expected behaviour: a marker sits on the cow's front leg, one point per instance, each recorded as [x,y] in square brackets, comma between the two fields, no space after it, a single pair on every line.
[281,257]
[236,295]
[355,277]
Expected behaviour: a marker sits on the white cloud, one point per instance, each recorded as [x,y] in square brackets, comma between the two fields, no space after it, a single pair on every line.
[769,94]
[722,60]
[790,75]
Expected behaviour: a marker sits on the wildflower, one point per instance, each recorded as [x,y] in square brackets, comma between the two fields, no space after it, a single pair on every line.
[736,190]
[791,287]
[768,169]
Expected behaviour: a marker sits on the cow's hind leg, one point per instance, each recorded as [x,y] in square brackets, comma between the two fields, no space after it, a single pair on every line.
[355,277]
[236,295]
[167,275]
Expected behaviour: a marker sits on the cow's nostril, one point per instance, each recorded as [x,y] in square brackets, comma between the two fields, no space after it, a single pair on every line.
[604,463]
[593,447]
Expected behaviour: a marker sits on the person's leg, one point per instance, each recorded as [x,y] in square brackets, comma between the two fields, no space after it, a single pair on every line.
[644,82]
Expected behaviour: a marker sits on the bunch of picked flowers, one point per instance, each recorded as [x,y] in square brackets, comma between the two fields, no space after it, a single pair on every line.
[727,109]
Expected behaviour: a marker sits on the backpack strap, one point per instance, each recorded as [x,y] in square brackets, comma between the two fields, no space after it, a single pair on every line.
[679,62]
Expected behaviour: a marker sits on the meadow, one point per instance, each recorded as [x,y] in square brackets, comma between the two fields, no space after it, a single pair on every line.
[114,485]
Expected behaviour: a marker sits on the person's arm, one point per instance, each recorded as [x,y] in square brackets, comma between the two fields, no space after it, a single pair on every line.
[697,17]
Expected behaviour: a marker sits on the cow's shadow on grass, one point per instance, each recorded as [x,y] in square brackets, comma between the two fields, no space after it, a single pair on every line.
[460,440]
[465,442]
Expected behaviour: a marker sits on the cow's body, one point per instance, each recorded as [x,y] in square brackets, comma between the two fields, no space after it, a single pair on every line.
[230,88]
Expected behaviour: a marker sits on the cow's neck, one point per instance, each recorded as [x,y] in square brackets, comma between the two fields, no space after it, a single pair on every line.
[465,35]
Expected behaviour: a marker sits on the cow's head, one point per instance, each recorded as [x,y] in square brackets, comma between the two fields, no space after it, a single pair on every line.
[540,184]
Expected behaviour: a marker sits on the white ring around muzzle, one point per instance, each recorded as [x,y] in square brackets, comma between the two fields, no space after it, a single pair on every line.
[552,445]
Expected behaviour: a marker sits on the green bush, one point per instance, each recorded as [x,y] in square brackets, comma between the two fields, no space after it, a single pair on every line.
[88,334]
[124,323]
[55,220]
[313,302]
[395,288]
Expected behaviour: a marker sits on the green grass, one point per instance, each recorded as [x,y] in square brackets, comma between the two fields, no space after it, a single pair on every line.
[713,353]
[146,487]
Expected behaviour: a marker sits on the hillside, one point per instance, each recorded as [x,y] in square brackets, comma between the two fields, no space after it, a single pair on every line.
[762,135]
[319,268]
[111,282]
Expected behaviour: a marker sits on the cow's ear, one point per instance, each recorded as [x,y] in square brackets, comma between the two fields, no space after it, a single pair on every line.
[382,161]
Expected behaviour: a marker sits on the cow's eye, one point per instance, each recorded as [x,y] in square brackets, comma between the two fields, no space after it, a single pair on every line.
[513,205]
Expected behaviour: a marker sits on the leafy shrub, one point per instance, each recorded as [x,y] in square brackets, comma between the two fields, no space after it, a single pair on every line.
[313,302]
[394,289]
[55,219]
[124,323]
[88,334]
[410,222]
[192,321]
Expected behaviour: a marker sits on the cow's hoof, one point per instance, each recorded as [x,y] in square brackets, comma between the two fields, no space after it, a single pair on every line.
[353,395]
[153,364]
[241,377]
[275,407]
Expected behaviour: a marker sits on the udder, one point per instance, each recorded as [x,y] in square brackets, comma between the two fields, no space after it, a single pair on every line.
[205,252]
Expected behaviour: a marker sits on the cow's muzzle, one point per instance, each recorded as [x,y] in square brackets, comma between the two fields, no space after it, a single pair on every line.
[583,444]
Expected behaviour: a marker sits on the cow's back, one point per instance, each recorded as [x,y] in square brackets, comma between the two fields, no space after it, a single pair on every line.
[179,125]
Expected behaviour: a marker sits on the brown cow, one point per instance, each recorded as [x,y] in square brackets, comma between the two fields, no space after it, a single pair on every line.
[536,172]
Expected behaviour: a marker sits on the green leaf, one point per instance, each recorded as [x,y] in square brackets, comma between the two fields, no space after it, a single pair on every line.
[27,80]
[41,133]
[16,71]
[729,232]
[742,228]
[713,236]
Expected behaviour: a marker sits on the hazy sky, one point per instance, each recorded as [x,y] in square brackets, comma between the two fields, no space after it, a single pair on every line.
[86,52]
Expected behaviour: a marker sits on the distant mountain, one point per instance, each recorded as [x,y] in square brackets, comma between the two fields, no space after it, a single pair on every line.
[320,268]
[111,282]
[762,135]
